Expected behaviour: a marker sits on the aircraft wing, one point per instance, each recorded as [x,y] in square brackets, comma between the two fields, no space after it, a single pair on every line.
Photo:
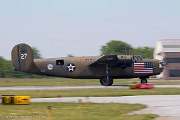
[107,59]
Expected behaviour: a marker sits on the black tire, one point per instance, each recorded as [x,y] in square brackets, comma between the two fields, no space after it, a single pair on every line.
[144,81]
[105,82]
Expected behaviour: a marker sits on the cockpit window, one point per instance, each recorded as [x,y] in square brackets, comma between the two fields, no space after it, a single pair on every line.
[137,58]
[140,58]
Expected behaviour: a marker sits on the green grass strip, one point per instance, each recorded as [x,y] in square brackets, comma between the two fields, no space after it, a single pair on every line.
[73,111]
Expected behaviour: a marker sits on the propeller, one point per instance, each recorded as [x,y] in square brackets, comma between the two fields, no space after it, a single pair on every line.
[163,64]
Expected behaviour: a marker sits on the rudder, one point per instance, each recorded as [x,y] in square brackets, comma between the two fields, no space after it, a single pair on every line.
[22,57]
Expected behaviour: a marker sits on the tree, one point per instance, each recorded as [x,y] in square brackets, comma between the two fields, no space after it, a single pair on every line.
[115,47]
[2,67]
[146,52]
[36,53]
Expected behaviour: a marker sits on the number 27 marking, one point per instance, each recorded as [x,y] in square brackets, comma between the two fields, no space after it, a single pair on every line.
[23,56]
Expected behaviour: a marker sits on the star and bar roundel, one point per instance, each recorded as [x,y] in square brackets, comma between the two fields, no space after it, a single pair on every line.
[70,67]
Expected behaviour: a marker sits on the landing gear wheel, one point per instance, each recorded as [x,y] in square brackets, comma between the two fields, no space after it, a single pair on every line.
[106,81]
[144,81]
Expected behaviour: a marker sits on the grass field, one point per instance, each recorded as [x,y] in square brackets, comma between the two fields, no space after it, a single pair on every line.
[70,111]
[74,82]
[92,92]
[84,92]
[51,82]
[73,111]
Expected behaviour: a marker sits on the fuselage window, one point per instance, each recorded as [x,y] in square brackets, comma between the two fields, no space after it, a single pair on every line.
[59,62]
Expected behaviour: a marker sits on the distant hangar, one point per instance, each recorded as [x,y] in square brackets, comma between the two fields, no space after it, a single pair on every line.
[168,50]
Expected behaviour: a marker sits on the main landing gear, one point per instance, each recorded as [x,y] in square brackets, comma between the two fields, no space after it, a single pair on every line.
[106,80]
[144,81]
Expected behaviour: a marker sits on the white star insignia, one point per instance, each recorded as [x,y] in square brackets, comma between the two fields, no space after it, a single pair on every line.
[71,67]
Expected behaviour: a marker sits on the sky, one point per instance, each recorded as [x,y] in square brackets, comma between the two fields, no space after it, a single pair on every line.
[80,27]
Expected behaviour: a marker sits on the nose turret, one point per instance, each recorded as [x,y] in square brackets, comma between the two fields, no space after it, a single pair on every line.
[162,64]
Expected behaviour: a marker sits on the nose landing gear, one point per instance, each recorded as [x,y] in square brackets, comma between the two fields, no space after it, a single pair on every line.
[144,81]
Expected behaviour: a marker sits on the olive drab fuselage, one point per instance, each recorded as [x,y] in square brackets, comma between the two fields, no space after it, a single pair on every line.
[86,67]
[78,67]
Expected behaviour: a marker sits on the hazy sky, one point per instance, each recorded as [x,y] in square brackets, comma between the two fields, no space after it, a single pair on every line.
[81,27]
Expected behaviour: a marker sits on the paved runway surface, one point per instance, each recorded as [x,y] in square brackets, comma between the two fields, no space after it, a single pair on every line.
[76,87]
[166,106]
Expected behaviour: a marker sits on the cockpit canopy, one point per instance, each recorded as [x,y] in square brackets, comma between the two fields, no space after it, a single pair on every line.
[137,58]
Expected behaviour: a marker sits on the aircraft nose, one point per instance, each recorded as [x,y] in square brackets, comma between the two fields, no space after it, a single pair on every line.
[162,64]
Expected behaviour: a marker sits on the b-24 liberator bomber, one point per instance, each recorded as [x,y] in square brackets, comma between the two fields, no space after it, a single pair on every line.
[106,68]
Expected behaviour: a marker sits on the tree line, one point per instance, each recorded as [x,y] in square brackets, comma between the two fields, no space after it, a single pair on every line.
[113,47]
[123,48]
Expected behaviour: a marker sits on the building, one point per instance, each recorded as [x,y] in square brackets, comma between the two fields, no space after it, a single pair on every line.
[168,50]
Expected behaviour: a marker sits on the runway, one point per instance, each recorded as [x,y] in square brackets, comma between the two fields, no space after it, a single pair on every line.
[166,106]
[77,87]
